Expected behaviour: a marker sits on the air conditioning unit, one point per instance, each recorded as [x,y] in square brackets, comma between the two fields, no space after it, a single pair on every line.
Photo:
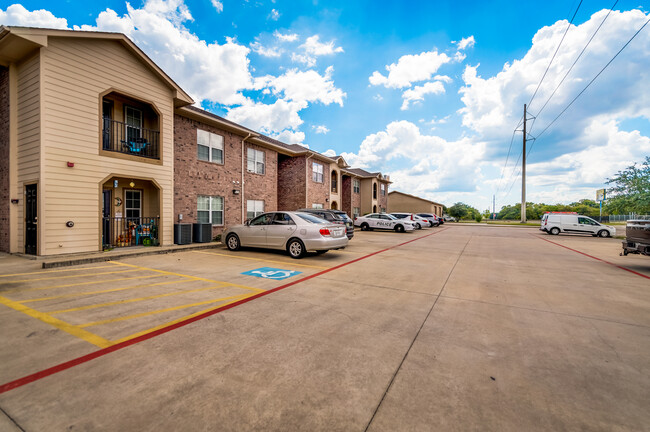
[202,233]
[182,233]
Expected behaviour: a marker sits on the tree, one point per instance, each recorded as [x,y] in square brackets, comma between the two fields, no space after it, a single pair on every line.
[462,211]
[630,190]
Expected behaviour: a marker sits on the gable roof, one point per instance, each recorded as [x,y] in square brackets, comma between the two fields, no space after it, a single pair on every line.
[17,43]
[413,196]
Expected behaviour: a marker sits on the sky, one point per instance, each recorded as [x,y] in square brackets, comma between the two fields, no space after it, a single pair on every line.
[431,93]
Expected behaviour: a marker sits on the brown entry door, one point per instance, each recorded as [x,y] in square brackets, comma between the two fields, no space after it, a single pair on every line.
[31,219]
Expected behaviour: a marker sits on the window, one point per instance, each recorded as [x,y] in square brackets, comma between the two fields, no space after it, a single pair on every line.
[356,212]
[254,208]
[374,190]
[133,120]
[282,219]
[317,206]
[210,210]
[356,186]
[383,189]
[133,204]
[383,210]
[334,182]
[210,146]
[255,159]
[317,172]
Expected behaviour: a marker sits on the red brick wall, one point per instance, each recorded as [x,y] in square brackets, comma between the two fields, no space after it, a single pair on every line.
[291,182]
[4,160]
[382,199]
[356,202]
[193,177]
[346,194]
[317,193]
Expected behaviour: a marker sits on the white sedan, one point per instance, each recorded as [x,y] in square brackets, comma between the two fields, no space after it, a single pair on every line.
[295,232]
[383,221]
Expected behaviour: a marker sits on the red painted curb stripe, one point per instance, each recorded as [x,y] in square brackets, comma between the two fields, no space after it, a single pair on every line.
[104,351]
[596,258]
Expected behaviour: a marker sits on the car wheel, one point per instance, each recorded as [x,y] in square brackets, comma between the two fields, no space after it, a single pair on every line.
[232,242]
[399,228]
[296,248]
[554,231]
[603,233]
[418,226]
[364,226]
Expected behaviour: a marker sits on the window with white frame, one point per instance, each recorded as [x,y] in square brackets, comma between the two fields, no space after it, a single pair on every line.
[317,206]
[383,189]
[133,204]
[210,146]
[255,161]
[317,172]
[254,208]
[356,212]
[356,185]
[133,120]
[210,209]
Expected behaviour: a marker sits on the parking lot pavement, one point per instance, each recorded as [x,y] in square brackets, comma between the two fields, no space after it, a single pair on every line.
[460,327]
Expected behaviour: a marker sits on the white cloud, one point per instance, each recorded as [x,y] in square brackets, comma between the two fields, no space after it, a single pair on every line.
[330,153]
[272,52]
[313,48]
[304,86]
[410,69]
[417,93]
[289,37]
[378,97]
[322,129]
[274,15]
[453,166]
[465,43]
[217,5]
[291,137]
[17,15]
[268,118]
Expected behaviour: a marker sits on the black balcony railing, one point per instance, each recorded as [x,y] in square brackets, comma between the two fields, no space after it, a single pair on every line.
[124,232]
[123,138]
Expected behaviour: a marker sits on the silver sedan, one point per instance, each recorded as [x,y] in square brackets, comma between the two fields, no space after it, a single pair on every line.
[296,232]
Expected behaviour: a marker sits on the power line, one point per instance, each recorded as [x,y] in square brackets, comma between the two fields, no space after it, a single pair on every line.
[574,62]
[590,82]
[508,155]
[554,54]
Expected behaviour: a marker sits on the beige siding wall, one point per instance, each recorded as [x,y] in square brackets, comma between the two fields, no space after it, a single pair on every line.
[75,72]
[28,139]
[398,202]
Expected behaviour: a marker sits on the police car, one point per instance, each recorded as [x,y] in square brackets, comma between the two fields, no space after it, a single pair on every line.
[383,221]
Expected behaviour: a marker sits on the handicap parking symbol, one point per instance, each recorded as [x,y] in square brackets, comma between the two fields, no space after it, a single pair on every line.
[271,273]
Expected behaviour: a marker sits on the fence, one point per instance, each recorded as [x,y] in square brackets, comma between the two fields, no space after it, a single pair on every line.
[125,232]
[621,218]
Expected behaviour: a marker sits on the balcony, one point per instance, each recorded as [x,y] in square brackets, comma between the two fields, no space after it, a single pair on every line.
[121,137]
[125,232]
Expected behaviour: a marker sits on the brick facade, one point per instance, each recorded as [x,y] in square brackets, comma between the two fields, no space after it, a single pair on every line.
[4,159]
[291,182]
[318,193]
[382,200]
[193,177]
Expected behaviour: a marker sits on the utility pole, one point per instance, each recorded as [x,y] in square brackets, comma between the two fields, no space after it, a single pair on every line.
[523,174]
[494,203]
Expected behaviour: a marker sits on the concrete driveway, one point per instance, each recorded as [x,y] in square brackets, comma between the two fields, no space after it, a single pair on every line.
[451,328]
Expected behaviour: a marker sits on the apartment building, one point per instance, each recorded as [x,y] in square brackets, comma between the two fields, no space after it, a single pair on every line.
[99,148]
[368,191]
[402,202]
[87,142]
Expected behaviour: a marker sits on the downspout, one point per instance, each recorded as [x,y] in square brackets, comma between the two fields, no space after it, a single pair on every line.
[307,180]
[242,176]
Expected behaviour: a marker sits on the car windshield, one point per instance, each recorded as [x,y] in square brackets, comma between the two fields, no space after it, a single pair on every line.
[311,218]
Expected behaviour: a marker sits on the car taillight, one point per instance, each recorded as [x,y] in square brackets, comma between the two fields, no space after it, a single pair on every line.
[324,231]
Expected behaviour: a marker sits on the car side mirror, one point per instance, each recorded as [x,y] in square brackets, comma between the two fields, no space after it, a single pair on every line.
[247,222]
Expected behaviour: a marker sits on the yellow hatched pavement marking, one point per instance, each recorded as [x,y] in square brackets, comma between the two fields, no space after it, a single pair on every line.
[133,300]
[75,284]
[55,271]
[61,325]
[69,277]
[170,323]
[159,311]
[86,293]
[263,260]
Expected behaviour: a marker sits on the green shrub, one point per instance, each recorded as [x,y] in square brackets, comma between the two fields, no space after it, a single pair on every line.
[478,218]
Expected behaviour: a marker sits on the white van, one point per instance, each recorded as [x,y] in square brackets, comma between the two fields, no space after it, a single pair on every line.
[556,222]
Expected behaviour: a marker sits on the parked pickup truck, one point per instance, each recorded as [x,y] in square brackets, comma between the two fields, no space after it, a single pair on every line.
[637,237]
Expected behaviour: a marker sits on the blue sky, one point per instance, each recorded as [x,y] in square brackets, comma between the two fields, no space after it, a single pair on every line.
[427,92]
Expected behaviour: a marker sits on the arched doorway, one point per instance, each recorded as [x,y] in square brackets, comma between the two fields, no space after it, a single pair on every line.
[374,209]
[335,182]
[334,206]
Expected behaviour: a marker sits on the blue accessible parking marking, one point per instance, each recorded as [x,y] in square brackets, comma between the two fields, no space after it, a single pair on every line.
[271,273]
